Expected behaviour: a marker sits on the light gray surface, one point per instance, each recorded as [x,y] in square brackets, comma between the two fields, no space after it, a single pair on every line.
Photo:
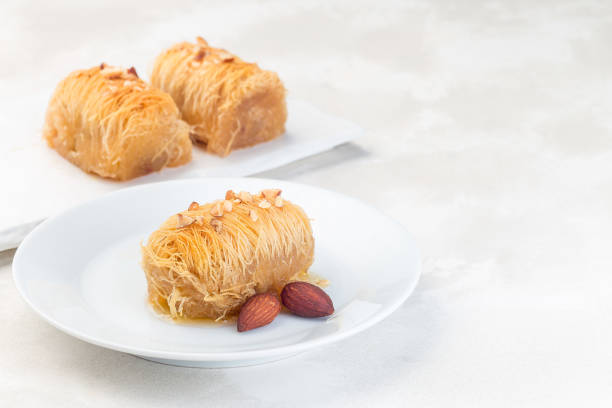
[488,137]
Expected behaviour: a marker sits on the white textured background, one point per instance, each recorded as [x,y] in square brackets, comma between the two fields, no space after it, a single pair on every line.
[488,136]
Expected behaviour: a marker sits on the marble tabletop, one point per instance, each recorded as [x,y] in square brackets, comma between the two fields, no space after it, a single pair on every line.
[488,136]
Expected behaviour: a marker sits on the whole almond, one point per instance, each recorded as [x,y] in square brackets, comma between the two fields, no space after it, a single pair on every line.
[258,311]
[306,300]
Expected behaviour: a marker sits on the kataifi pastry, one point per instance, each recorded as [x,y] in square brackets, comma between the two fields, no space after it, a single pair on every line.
[109,122]
[229,103]
[205,262]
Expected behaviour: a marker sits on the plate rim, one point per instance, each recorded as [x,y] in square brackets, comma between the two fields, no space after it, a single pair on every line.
[203,356]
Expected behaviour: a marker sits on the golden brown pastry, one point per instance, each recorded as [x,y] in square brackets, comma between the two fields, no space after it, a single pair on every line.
[229,103]
[207,261]
[109,122]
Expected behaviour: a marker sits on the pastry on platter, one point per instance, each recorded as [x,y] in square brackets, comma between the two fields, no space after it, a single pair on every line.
[229,103]
[205,262]
[109,122]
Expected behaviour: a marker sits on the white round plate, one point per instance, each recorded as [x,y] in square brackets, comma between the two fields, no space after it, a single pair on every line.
[81,272]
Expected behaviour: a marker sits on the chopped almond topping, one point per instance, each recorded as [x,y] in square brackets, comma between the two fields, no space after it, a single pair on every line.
[278,201]
[199,219]
[264,204]
[200,55]
[271,194]
[226,56]
[227,206]
[245,196]
[217,209]
[193,206]
[102,66]
[253,215]
[201,41]
[237,200]
[183,220]
[230,195]
[112,72]
[132,71]
[216,224]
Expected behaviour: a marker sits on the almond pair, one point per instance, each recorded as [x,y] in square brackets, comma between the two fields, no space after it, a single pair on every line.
[301,298]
